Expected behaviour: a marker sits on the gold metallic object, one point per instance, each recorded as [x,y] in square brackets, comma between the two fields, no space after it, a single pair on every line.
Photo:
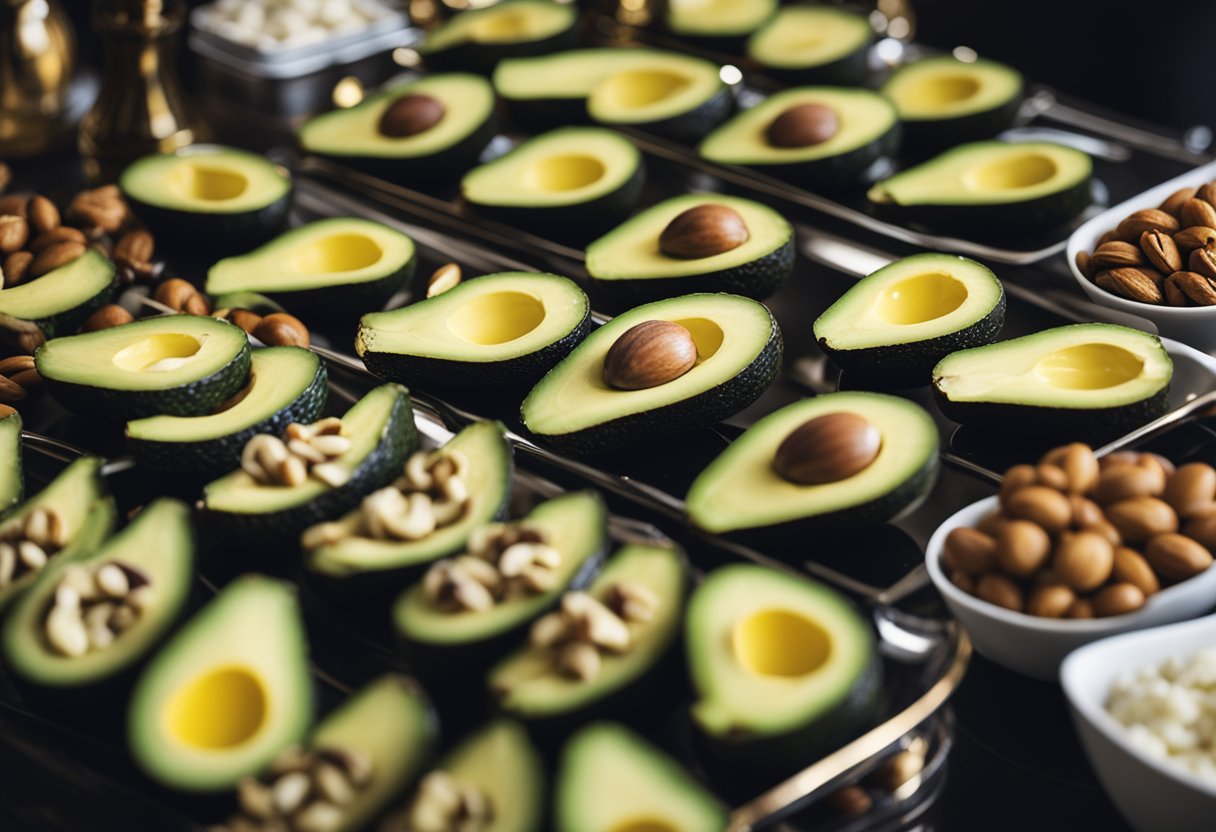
[141,108]
[37,60]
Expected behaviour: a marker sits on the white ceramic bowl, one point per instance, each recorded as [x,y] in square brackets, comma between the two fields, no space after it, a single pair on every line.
[1195,325]
[1035,646]
[1152,795]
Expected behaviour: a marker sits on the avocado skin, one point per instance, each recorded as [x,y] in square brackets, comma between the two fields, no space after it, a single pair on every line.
[1059,423]
[483,57]
[844,170]
[69,320]
[758,278]
[903,366]
[581,219]
[212,458]
[705,408]
[196,398]
[411,170]
[213,233]
[924,137]
[348,300]
[429,373]
[687,127]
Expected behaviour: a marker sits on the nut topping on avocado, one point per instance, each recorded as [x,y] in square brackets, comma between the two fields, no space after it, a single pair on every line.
[828,448]
[26,547]
[445,277]
[503,562]
[308,451]
[411,115]
[803,125]
[584,626]
[649,354]
[443,804]
[703,231]
[93,606]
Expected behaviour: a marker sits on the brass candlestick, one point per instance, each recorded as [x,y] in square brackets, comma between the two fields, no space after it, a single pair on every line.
[37,60]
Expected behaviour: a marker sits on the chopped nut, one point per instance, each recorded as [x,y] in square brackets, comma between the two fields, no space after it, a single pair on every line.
[580,661]
[255,798]
[31,554]
[290,791]
[479,570]
[331,783]
[318,817]
[292,471]
[331,473]
[632,602]
[306,451]
[112,581]
[549,630]
[470,594]
[66,631]
[322,534]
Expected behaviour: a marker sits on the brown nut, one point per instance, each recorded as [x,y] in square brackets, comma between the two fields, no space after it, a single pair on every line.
[62,234]
[1173,203]
[134,248]
[282,330]
[849,802]
[970,550]
[11,392]
[1022,548]
[101,210]
[1122,482]
[1042,505]
[1083,560]
[1207,193]
[1174,296]
[1191,489]
[1085,512]
[1081,466]
[1197,212]
[1146,219]
[1106,530]
[1081,609]
[54,257]
[42,214]
[1115,255]
[1156,461]
[649,354]
[803,125]
[245,319]
[1176,557]
[1000,590]
[1131,567]
[181,296]
[14,204]
[1082,261]
[1197,236]
[1141,518]
[1051,476]
[1138,283]
[110,315]
[1050,601]
[828,448]
[963,580]
[1161,251]
[410,115]
[991,524]
[1194,288]
[1202,528]
[1202,261]
[17,267]
[1116,458]
[703,231]
[1015,479]
[14,233]
[1117,599]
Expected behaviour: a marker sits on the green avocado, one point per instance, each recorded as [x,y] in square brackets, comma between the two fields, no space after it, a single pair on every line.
[667,93]
[628,265]
[814,44]
[495,332]
[180,365]
[999,189]
[12,480]
[208,197]
[867,133]
[569,179]
[528,685]
[1082,381]
[611,780]
[353,137]
[894,325]
[738,344]
[783,668]
[286,384]
[334,266]
[227,693]
[741,490]
[244,511]
[478,39]
[158,545]
[59,301]
[944,101]
[723,23]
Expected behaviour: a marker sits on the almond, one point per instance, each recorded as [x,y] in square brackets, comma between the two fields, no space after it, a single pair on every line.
[703,231]
[970,550]
[1161,251]
[1050,601]
[17,267]
[411,115]
[828,448]
[1015,479]
[62,234]
[1117,599]
[244,319]
[1173,203]
[1141,518]
[1001,591]
[1081,609]
[1202,261]
[1197,212]
[1177,557]
[649,354]
[1114,255]
[1195,287]
[1146,219]
[42,214]
[1131,567]
[134,248]
[1207,193]
[1022,547]
[1051,476]
[1121,482]
[803,125]
[1202,529]
[14,232]
[279,329]
[1085,512]
[52,258]
[1191,489]
[1106,530]
[1172,289]
[1080,465]
[1042,505]
[958,577]
[1134,283]
[1083,560]
[1082,261]
[1196,236]
[110,315]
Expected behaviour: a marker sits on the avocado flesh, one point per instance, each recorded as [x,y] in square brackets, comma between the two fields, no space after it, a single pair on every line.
[611,780]
[814,39]
[740,489]
[227,693]
[12,480]
[489,485]
[181,365]
[893,326]
[61,299]
[627,261]
[738,354]
[509,23]
[574,524]
[717,18]
[1095,377]
[160,543]
[528,685]
[963,100]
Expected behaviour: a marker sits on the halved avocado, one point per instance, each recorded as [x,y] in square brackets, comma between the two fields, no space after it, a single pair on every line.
[628,264]
[332,266]
[570,179]
[494,332]
[783,668]
[667,93]
[382,433]
[59,301]
[227,693]
[816,44]
[609,780]
[208,197]
[718,22]
[738,355]
[995,188]
[894,325]
[741,490]
[1083,381]
[159,542]
[944,101]
[179,365]
[353,136]
[866,132]
[365,565]
[478,39]
[12,481]
[574,524]
[286,384]
[527,683]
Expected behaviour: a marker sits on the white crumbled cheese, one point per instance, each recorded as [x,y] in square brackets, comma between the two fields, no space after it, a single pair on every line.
[1169,711]
[289,23]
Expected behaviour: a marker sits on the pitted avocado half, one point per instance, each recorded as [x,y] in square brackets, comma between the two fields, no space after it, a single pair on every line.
[944,101]
[59,301]
[478,39]
[724,22]
[814,44]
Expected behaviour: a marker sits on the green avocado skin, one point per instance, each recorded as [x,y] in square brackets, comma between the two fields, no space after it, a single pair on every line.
[213,233]
[197,398]
[844,170]
[347,300]
[851,70]
[429,373]
[69,320]
[1059,423]
[212,458]
[584,218]
[687,127]
[409,170]
[483,57]
[923,137]
[903,366]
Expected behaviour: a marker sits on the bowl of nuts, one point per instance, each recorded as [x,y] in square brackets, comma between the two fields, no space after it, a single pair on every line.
[1154,255]
[1073,550]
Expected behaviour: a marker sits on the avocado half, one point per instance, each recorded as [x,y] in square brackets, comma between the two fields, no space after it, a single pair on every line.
[478,39]
[997,189]
[814,44]
[1079,382]
[896,324]
[12,479]
[944,101]
[352,136]
[337,266]
[666,93]
[717,23]
[208,197]
[495,332]
[868,133]
[739,348]
[628,266]
[573,179]
[59,301]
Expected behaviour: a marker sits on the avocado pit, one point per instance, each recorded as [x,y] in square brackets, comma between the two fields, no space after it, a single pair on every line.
[828,449]
[649,354]
[803,125]
[703,231]
[410,115]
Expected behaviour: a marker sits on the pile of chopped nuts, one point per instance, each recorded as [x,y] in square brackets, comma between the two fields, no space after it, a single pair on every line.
[27,546]
[94,605]
[309,451]
[443,804]
[584,626]
[504,561]
[305,791]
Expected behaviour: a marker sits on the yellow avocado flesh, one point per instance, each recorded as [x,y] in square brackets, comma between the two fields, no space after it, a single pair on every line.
[940,88]
[206,179]
[717,17]
[516,21]
[70,285]
[808,36]
[778,642]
